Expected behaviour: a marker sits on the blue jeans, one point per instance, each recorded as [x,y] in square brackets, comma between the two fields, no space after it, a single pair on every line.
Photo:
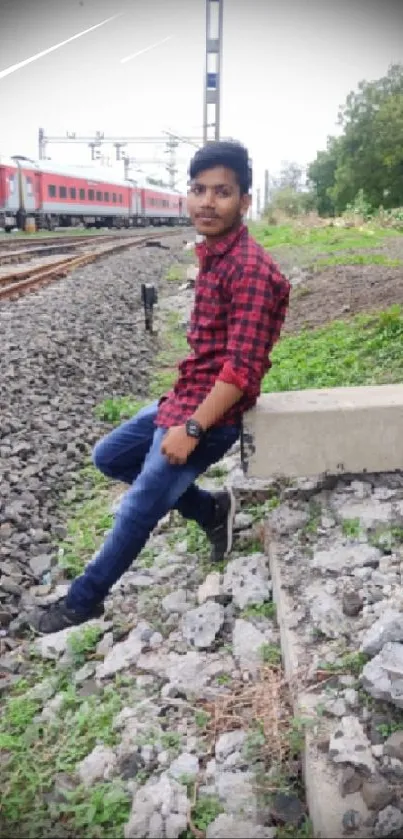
[132,454]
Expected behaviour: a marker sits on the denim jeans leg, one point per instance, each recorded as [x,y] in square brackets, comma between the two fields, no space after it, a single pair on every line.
[120,455]
[157,489]
[197,503]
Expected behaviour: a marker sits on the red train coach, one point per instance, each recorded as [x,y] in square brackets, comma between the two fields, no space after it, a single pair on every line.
[57,195]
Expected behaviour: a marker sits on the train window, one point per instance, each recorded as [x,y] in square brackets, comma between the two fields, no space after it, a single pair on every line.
[90,194]
[62,192]
[82,194]
[30,191]
[114,197]
[11,184]
[106,196]
[120,199]
[73,193]
[51,191]
[99,195]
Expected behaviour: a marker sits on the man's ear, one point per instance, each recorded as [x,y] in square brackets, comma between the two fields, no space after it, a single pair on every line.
[246,201]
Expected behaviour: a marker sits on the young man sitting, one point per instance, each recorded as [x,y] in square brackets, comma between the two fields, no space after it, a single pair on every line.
[240,304]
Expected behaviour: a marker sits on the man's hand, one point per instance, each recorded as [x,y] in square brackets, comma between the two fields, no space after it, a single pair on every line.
[177,446]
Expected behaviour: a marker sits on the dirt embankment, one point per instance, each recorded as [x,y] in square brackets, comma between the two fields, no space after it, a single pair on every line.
[338,291]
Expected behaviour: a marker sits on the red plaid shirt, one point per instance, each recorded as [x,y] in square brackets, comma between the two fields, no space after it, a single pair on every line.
[241,299]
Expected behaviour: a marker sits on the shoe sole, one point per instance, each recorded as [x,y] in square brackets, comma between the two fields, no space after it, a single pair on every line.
[230,521]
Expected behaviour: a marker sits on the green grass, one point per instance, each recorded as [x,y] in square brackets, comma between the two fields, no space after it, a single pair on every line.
[357,259]
[324,238]
[176,274]
[260,610]
[351,663]
[364,351]
[118,408]
[205,810]
[35,753]
[351,528]
[387,539]
[270,654]
[85,532]
[82,643]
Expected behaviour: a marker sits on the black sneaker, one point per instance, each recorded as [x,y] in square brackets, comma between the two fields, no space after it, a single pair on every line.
[58,616]
[221,530]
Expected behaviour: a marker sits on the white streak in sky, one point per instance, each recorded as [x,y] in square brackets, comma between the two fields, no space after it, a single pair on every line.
[146,49]
[14,67]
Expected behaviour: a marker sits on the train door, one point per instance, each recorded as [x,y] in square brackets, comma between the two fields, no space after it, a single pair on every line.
[28,186]
[136,204]
[38,191]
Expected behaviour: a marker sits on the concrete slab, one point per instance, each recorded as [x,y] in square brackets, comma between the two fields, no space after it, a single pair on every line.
[326,805]
[331,431]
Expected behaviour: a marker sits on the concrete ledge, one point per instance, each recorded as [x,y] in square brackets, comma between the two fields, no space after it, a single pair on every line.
[331,431]
[325,804]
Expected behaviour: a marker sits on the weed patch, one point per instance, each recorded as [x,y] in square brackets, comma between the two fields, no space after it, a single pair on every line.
[364,351]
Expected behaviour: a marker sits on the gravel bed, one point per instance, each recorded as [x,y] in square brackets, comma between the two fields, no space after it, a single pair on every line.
[62,351]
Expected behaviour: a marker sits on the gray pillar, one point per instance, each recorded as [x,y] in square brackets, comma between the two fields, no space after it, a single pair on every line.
[212,75]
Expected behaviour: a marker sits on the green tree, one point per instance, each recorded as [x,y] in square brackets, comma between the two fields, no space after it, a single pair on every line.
[321,174]
[368,156]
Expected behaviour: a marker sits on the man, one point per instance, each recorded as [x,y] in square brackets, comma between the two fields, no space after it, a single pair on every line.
[239,309]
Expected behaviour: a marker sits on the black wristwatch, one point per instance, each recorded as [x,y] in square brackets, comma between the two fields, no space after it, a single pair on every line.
[194,429]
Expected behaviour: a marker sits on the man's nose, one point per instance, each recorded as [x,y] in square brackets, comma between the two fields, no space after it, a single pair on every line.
[208,199]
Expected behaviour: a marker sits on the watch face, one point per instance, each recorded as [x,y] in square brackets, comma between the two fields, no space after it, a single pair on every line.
[193,429]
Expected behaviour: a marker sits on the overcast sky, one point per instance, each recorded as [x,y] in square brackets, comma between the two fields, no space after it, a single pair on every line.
[287,66]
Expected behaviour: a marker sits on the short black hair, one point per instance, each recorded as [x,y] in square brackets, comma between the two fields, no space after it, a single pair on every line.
[226,153]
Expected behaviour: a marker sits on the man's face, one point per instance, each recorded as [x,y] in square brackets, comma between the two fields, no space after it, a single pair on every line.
[215,202]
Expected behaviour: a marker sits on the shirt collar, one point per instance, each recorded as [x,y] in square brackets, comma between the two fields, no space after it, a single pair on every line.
[221,246]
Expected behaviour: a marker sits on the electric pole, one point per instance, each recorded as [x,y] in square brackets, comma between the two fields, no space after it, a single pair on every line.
[212,75]
[266,190]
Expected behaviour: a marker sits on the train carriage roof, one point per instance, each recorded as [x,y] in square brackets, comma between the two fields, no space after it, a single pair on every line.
[90,173]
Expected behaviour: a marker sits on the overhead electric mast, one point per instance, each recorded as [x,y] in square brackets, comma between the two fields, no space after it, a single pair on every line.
[212,76]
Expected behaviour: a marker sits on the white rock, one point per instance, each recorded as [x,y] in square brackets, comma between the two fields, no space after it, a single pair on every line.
[352,698]
[336,558]
[383,676]
[210,589]
[229,827]
[189,673]
[246,579]
[389,821]
[185,766]
[237,792]
[370,511]
[97,765]
[389,627]
[243,521]
[201,626]
[350,745]
[123,654]
[163,797]
[247,641]
[326,613]
[229,742]
[285,520]
[176,601]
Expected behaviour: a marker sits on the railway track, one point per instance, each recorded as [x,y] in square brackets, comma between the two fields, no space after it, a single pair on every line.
[17,283]
[10,249]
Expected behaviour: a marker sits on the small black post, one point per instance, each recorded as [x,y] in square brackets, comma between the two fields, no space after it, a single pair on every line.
[149,298]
